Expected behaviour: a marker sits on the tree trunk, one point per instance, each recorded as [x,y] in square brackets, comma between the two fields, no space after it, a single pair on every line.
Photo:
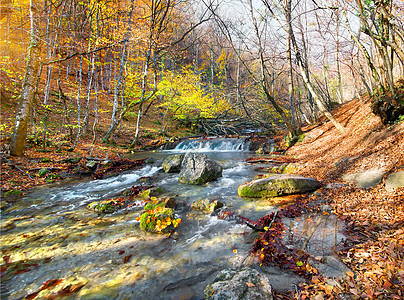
[17,143]
[295,120]
[263,81]
[310,87]
[78,105]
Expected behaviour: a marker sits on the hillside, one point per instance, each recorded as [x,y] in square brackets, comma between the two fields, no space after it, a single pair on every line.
[374,216]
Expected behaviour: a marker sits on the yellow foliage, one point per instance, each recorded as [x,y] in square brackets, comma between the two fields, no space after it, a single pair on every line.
[184,95]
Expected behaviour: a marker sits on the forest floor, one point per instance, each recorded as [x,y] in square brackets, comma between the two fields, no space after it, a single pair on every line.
[374,216]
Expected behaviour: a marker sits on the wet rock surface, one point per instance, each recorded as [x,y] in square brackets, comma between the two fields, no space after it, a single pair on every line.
[207,205]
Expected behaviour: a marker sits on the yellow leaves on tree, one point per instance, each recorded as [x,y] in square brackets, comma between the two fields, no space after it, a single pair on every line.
[184,97]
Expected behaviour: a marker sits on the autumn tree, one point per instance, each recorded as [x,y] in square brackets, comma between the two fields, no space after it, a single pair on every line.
[17,143]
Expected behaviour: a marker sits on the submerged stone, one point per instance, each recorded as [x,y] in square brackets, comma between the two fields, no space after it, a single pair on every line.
[331,267]
[278,185]
[207,205]
[106,206]
[236,284]
[198,169]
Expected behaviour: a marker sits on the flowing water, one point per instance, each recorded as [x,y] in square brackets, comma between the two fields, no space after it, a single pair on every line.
[49,234]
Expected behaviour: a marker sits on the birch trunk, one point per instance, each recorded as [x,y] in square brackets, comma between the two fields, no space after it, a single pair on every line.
[17,143]
[310,87]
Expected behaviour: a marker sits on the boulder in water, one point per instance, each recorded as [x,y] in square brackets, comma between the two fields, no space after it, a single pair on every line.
[235,284]
[198,169]
[172,164]
[278,185]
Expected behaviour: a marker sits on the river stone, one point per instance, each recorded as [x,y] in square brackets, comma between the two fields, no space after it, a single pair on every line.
[43,172]
[155,213]
[365,179]
[278,185]
[395,180]
[172,164]
[152,192]
[92,165]
[198,169]
[105,206]
[236,284]
[207,205]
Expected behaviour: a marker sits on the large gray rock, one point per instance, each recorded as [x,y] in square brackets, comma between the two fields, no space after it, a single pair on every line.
[278,185]
[234,284]
[172,164]
[395,180]
[365,179]
[198,168]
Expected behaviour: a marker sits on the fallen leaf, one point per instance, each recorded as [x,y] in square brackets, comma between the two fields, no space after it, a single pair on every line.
[127,258]
[249,284]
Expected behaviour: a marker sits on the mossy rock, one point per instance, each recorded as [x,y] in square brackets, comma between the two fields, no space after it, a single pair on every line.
[106,206]
[13,193]
[149,160]
[92,165]
[43,172]
[156,217]
[207,205]
[152,192]
[278,185]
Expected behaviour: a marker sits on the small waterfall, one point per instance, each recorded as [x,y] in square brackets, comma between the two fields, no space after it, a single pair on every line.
[214,144]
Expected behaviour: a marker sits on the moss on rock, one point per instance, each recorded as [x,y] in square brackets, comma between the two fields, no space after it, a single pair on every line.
[207,205]
[157,217]
[106,206]
[278,186]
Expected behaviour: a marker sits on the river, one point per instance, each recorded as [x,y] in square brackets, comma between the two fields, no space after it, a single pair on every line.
[53,236]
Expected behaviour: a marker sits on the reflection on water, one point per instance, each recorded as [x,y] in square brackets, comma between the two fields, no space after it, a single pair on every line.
[318,234]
